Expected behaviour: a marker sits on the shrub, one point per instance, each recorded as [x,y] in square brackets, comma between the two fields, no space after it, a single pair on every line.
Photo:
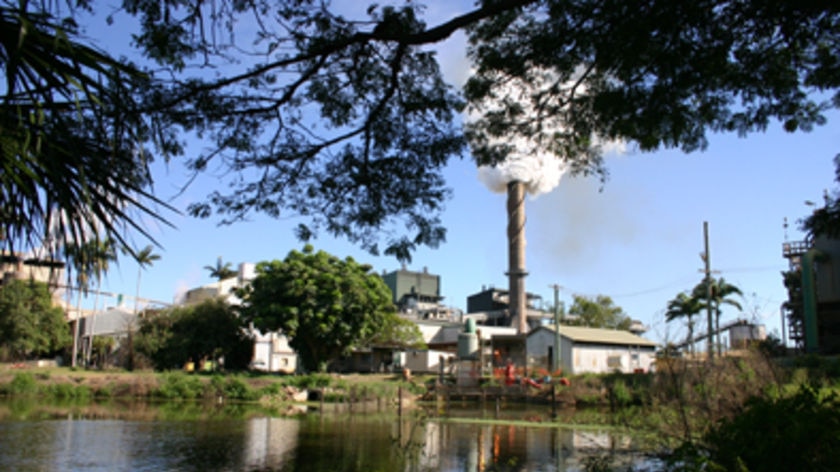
[22,384]
[801,432]
[177,385]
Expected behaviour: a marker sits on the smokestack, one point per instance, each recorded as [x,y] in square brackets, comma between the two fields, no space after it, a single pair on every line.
[516,255]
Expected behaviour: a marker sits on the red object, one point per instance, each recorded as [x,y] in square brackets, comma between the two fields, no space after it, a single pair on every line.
[564,381]
[510,377]
[531,382]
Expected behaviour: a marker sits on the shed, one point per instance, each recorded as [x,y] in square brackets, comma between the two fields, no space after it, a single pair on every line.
[592,350]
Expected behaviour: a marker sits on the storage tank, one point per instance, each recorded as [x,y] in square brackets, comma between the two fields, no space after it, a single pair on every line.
[741,336]
[468,341]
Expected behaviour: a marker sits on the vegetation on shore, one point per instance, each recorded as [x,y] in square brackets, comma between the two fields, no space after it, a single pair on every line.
[738,413]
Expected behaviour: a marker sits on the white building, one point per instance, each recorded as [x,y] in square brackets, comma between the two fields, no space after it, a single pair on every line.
[591,350]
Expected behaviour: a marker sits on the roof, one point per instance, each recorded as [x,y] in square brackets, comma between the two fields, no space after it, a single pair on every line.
[600,336]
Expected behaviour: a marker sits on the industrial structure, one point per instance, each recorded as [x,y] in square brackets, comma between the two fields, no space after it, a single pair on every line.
[491,307]
[813,282]
[417,295]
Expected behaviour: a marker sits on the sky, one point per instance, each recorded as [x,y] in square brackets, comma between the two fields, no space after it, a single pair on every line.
[636,238]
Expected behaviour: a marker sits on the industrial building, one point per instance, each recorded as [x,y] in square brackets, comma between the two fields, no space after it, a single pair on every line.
[417,295]
[491,307]
[813,308]
[590,350]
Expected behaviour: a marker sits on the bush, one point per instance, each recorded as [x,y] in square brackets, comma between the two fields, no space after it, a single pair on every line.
[801,432]
[180,386]
[68,391]
[22,384]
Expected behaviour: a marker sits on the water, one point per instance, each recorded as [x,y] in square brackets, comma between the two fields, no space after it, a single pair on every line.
[312,442]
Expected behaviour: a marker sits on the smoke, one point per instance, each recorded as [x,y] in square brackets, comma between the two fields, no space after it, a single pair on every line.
[533,114]
[540,173]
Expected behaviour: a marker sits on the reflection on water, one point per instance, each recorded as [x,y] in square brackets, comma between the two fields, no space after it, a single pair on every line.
[310,443]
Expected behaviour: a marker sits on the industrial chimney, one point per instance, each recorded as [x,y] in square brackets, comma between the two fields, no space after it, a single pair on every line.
[516,255]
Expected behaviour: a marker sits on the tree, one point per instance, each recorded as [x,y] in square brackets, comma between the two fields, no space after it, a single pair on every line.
[145,258]
[208,330]
[30,325]
[397,332]
[222,271]
[324,305]
[598,312]
[102,253]
[346,121]
[72,147]
[825,221]
[722,294]
[684,306]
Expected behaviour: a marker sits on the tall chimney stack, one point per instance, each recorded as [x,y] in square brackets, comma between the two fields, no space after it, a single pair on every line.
[516,255]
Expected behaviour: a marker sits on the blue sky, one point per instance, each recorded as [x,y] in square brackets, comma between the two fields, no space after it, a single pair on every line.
[637,238]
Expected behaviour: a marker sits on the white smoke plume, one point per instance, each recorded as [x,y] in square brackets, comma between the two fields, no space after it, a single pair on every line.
[540,173]
[533,160]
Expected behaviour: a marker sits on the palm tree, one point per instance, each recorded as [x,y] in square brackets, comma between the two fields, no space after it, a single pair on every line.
[101,253]
[722,292]
[144,258]
[222,271]
[80,262]
[686,306]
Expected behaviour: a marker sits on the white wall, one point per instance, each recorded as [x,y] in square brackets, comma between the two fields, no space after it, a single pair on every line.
[425,361]
[584,358]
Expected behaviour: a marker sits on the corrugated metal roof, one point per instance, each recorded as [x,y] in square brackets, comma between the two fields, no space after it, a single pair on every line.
[601,336]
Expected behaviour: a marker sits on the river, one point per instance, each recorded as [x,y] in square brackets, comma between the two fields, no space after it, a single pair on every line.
[220,439]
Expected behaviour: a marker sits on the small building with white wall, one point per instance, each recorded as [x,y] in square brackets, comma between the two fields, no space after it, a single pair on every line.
[590,350]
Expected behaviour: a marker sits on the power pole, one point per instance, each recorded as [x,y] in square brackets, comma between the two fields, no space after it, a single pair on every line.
[556,326]
[707,259]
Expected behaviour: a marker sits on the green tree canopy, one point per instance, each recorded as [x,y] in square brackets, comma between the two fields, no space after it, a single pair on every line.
[598,312]
[341,115]
[30,325]
[207,330]
[326,306]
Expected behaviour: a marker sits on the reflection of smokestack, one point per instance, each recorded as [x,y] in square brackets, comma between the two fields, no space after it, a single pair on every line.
[516,254]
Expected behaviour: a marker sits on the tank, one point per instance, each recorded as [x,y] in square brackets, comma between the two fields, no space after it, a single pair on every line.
[468,341]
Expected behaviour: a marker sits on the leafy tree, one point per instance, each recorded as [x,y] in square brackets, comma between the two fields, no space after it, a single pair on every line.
[208,330]
[598,312]
[397,332]
[723,293]
[346,121]
[684,306]
[324,305]
[30,325]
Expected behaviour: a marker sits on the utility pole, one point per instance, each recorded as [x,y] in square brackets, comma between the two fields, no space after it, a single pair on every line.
[556,325]
[707,259]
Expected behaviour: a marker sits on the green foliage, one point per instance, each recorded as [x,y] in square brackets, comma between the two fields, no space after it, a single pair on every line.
[67,391]
[660,74]
[233,388]
[599,312]
[72,143]
[22,384]
[343,117]
[30,326]
[210,329]
[801,432]
[324,305]
[176,386]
